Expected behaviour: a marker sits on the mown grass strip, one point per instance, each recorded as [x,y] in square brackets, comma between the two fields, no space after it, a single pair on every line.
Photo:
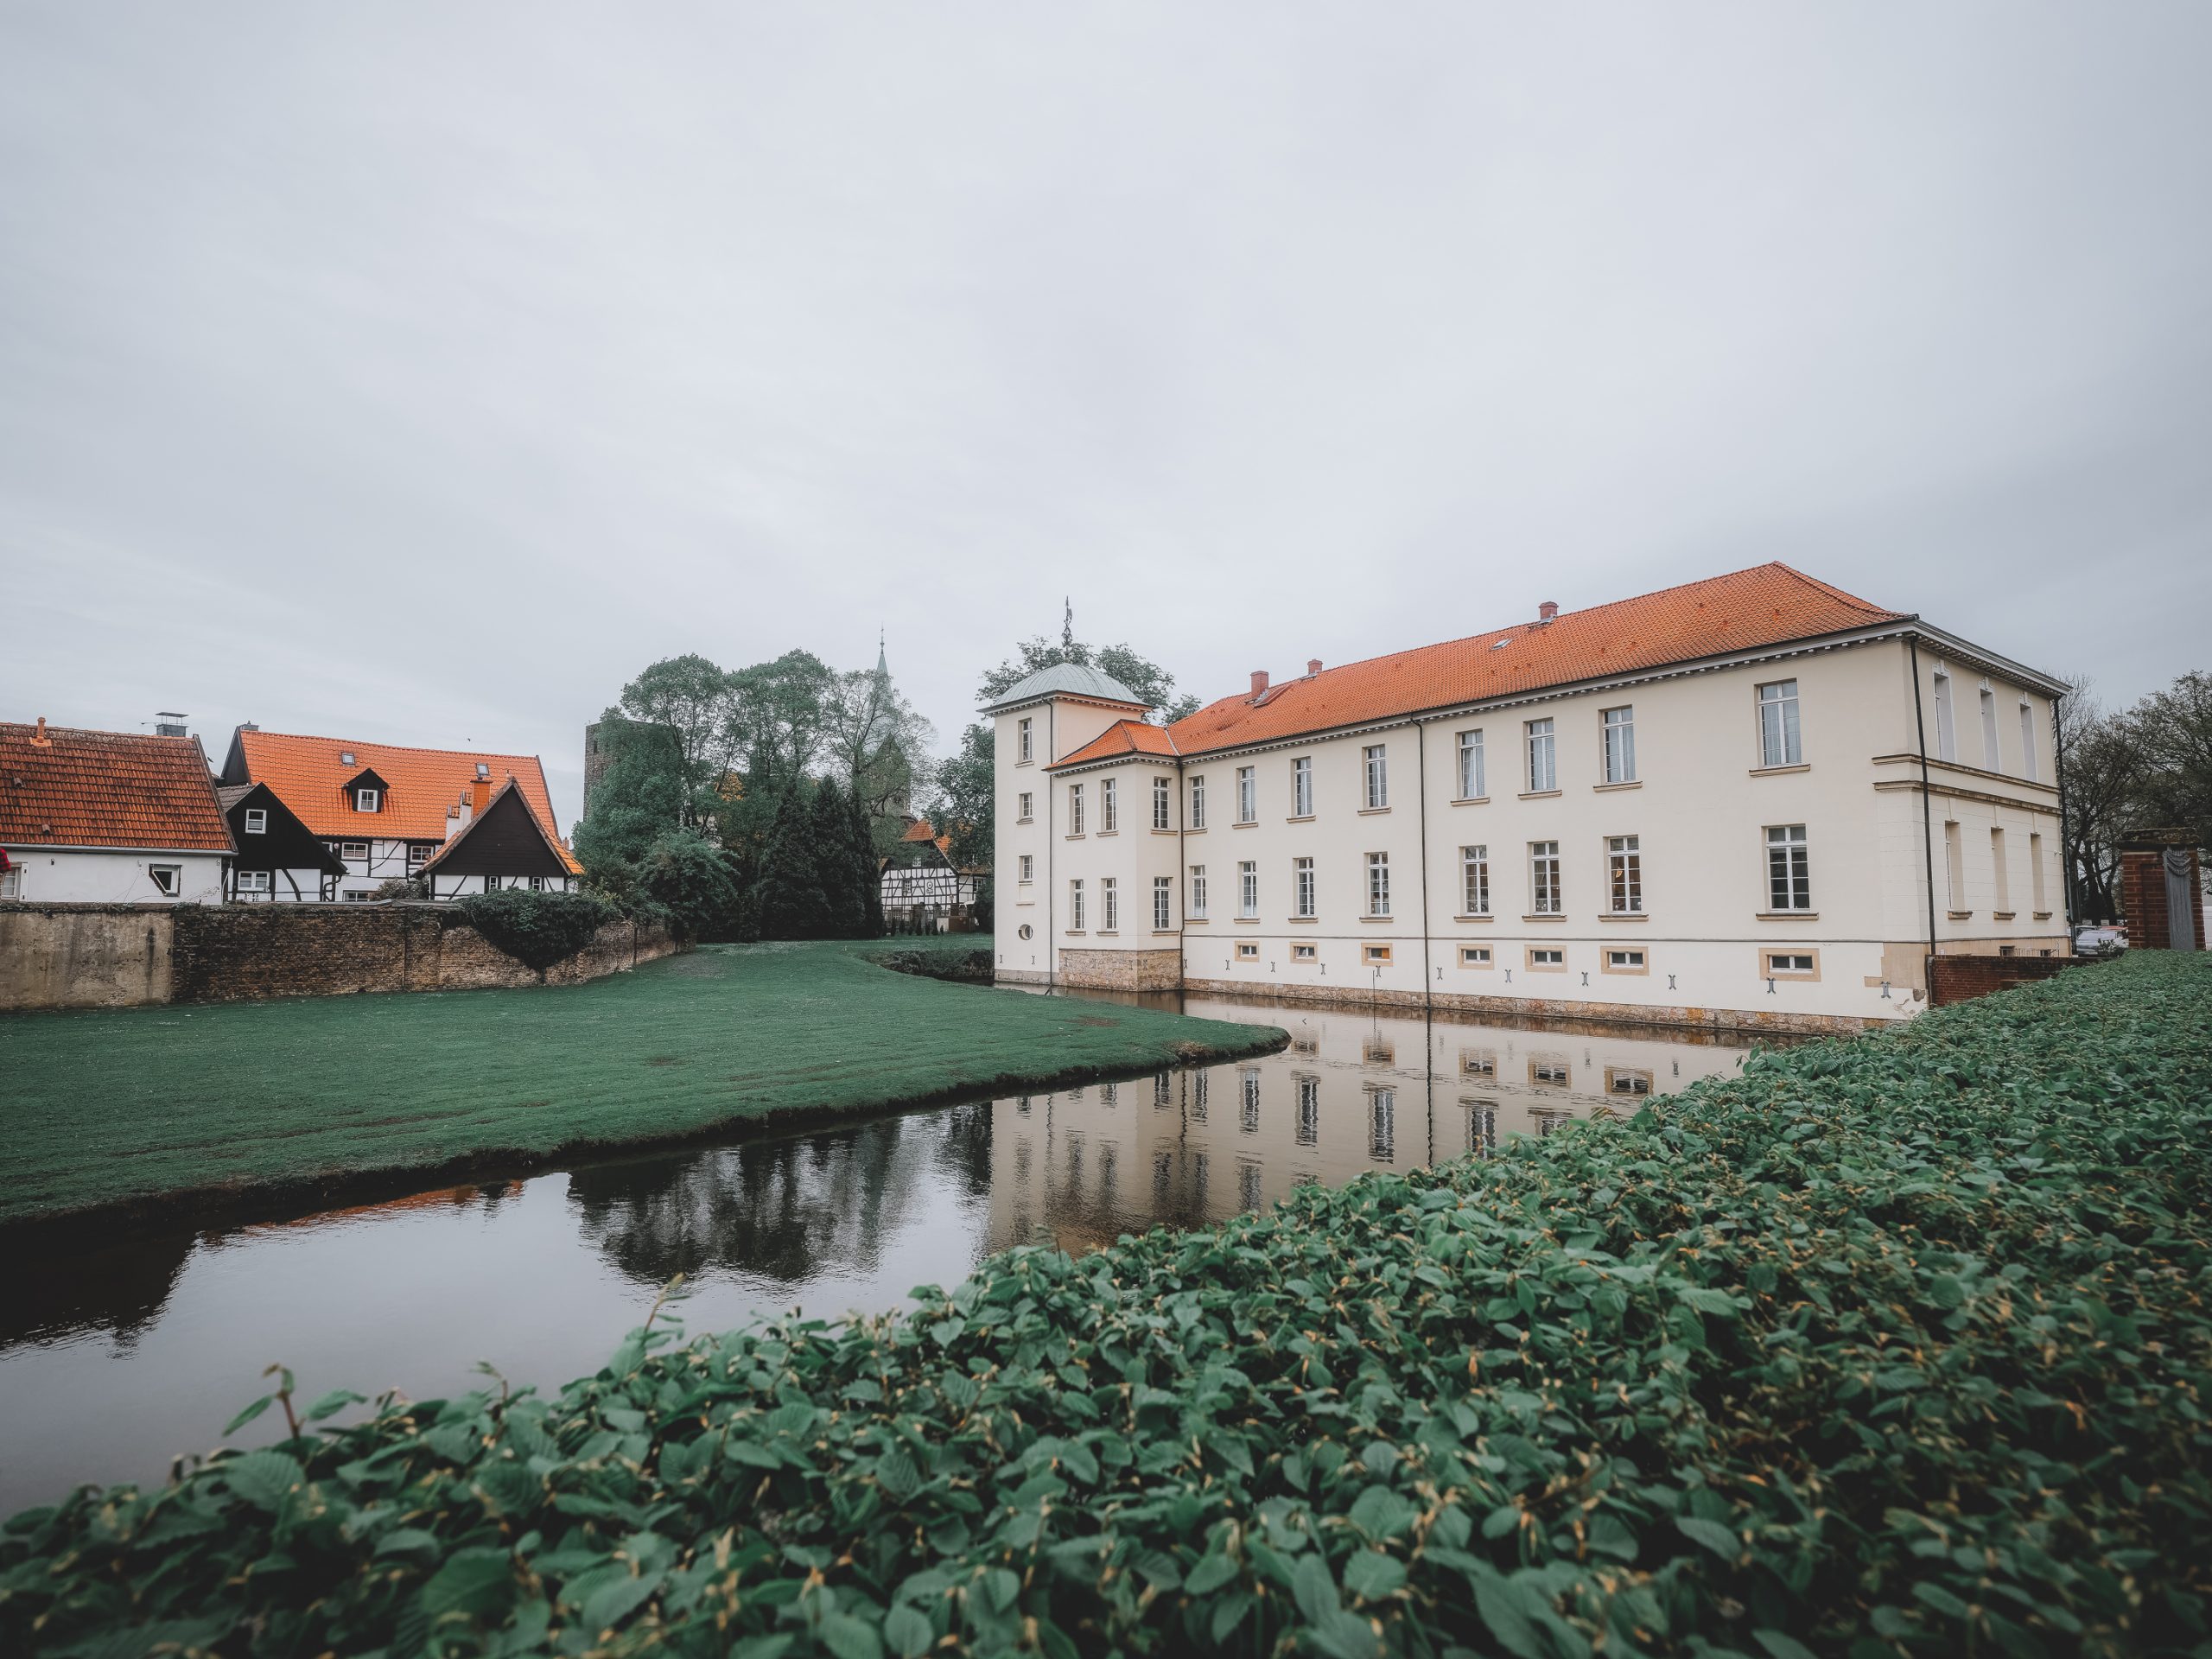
[1897,1344]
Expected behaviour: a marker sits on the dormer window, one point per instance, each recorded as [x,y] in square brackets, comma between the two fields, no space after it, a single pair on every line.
[256,820]
[367,800]
[346,757]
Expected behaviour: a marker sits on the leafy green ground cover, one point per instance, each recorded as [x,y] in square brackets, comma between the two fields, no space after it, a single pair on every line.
[145,1105]
[1895,1344]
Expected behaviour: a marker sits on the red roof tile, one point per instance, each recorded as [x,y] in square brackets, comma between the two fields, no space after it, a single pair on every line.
[1768,605]
[310,776]
[1122,737]
[107,788]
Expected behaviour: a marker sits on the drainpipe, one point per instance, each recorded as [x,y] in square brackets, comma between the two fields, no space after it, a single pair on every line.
[1421,772]
[2065,849]
[1051,887]
[1182,894]
[1927,813]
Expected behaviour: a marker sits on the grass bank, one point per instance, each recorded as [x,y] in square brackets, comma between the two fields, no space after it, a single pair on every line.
[195,1108]
[1892,1345]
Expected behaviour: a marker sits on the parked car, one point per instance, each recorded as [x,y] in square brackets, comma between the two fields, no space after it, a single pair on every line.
[2099,940]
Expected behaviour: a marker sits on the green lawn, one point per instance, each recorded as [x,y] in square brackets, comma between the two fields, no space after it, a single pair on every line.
[142,1105]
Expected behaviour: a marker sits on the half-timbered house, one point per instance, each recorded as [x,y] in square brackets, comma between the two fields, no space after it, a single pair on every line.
[499,844]
[279,857]
[108,817]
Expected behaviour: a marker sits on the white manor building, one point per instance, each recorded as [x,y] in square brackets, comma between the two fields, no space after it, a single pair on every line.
[1753,800]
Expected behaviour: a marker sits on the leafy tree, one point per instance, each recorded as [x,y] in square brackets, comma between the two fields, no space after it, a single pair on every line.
[695,702]
[879,747]
[694,881]
[641,795]
[2104,782]
[777,716]
[2172,732]
[960,804]
[788,882]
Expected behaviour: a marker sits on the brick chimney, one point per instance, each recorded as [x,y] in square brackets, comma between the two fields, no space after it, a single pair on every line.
[480,796]
[1313,666]
[1259,681]
[41,741]
[1547,610]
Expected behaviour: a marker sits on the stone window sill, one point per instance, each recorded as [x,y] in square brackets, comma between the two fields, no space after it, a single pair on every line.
[1959,915]
[1245,823]
[1073,834]
[1539,795]
[1624,916]
[1378,918]
[1102,834]
[2042,916]
[1305,921]
[2002,915]
[1248,921]
[1157,830]
[1372,811]
[1300,817]
[1110,932]
[1075,932]
[1473,800]
[1602,789]
[1788,915]
[1548,916]
[1770,772]
[1474,918]
[1163,932]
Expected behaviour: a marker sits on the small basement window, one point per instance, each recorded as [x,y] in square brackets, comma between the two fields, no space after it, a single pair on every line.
[167,878]
[256,820]
[1779,962]
[1474,956]
[1624,962]
[1248,952]
[1303,953]
[1544,957]
[1379,955]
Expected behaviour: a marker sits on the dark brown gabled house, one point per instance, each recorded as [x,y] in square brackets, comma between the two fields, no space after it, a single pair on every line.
[279,857]
[501,844]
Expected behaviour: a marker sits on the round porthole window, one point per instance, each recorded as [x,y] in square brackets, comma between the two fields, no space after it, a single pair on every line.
[1025,929]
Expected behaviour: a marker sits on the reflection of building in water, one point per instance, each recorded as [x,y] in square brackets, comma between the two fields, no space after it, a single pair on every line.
[1351,1093]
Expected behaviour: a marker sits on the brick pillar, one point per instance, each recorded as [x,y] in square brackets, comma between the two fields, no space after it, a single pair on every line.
[2142,895]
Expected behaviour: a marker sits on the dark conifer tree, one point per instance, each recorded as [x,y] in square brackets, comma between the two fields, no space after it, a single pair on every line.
[835,873]
[870,870]
[792,904]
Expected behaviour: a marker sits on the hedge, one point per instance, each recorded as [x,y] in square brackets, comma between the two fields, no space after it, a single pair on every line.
[1892,1345]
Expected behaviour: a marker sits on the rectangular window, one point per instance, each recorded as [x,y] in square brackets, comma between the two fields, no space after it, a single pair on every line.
[166,878]
[1075,907]
[1021,738]
[365,800]
[11,882]
[1075,809]
[1376,956]
[357,851]
[417,855]
[1378,776]
[1248,889]
[1549,1071]
[1163,903]
[1248,1081]
[1309,1110]
[1474,881]
[1990,759]
[365,895]
[1197,892]
[1383,1125]
[538,884]
[2028,768]
[1247,795]
[1248,952]
[1301,882]
[1543,757]
[1161,805]
[1947,733]
[1789,869]
[1620,746]
[1198,803]
[1478,1063]
[254,880]
[491,885]
[1474,956]
[1625,875]
[1471,783]
[1550,957]
[1954,866]
[2034,872]
[1543,878]
[1109,904]
[1024,806]
[1304,953]
[1628,961]
[1109,806]
[1028,868]
[1301,787]
[2000,879]
[1782,964]
[256,820]
[1623,1080]
[1779,745]
[1378,884]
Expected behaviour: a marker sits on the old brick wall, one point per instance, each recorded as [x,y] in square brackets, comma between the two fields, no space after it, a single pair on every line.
[84,956]
[1960,979]
[2143,898]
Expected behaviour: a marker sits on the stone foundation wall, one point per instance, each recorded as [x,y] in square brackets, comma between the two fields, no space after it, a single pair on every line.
[117,956]
[1122,970]
[1733,1021]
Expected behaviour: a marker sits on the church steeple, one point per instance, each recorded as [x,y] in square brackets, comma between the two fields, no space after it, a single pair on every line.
[882,664]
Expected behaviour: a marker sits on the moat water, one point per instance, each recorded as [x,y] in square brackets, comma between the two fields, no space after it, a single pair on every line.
[115,1360]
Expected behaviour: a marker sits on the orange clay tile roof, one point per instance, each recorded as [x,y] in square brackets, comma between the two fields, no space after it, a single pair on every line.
[1122,737]
[108,789]
[1768,605]
[921,831]
[420,785]
[477,817]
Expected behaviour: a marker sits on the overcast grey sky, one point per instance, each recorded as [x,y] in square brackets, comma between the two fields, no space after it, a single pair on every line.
[418,373]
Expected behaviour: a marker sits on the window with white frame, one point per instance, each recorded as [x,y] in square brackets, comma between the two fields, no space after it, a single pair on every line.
[1620,745]
[1543,757]
[418,855]
[1162,807]
[538,884]
[1471,766]
[1549,956]
[1301,787]
[1021,738]
[1198,803]
[1302,884]
[1109,904]
[1474,956]
[1474,881]
[1946,731]
[167,878]
[1248,889]
[1625,875]
[1378,775]
[366,800]
[1378,884]
[1779,745]
[1024,806]
[1543,878]
[254,880]
[1248,952]
[1304,953]
[1624,960]
[1028,868]
[1789,868]
[1074,905]
[1247,795]
[1109,806]
[1197,892]
[1075,809]
[1789,964]
[1383,1125]
[355,851]
[11,882]
[1990,759]
[256,820]
[2028,768]
[1248,1079]
[1309,1109]
[1163,903]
